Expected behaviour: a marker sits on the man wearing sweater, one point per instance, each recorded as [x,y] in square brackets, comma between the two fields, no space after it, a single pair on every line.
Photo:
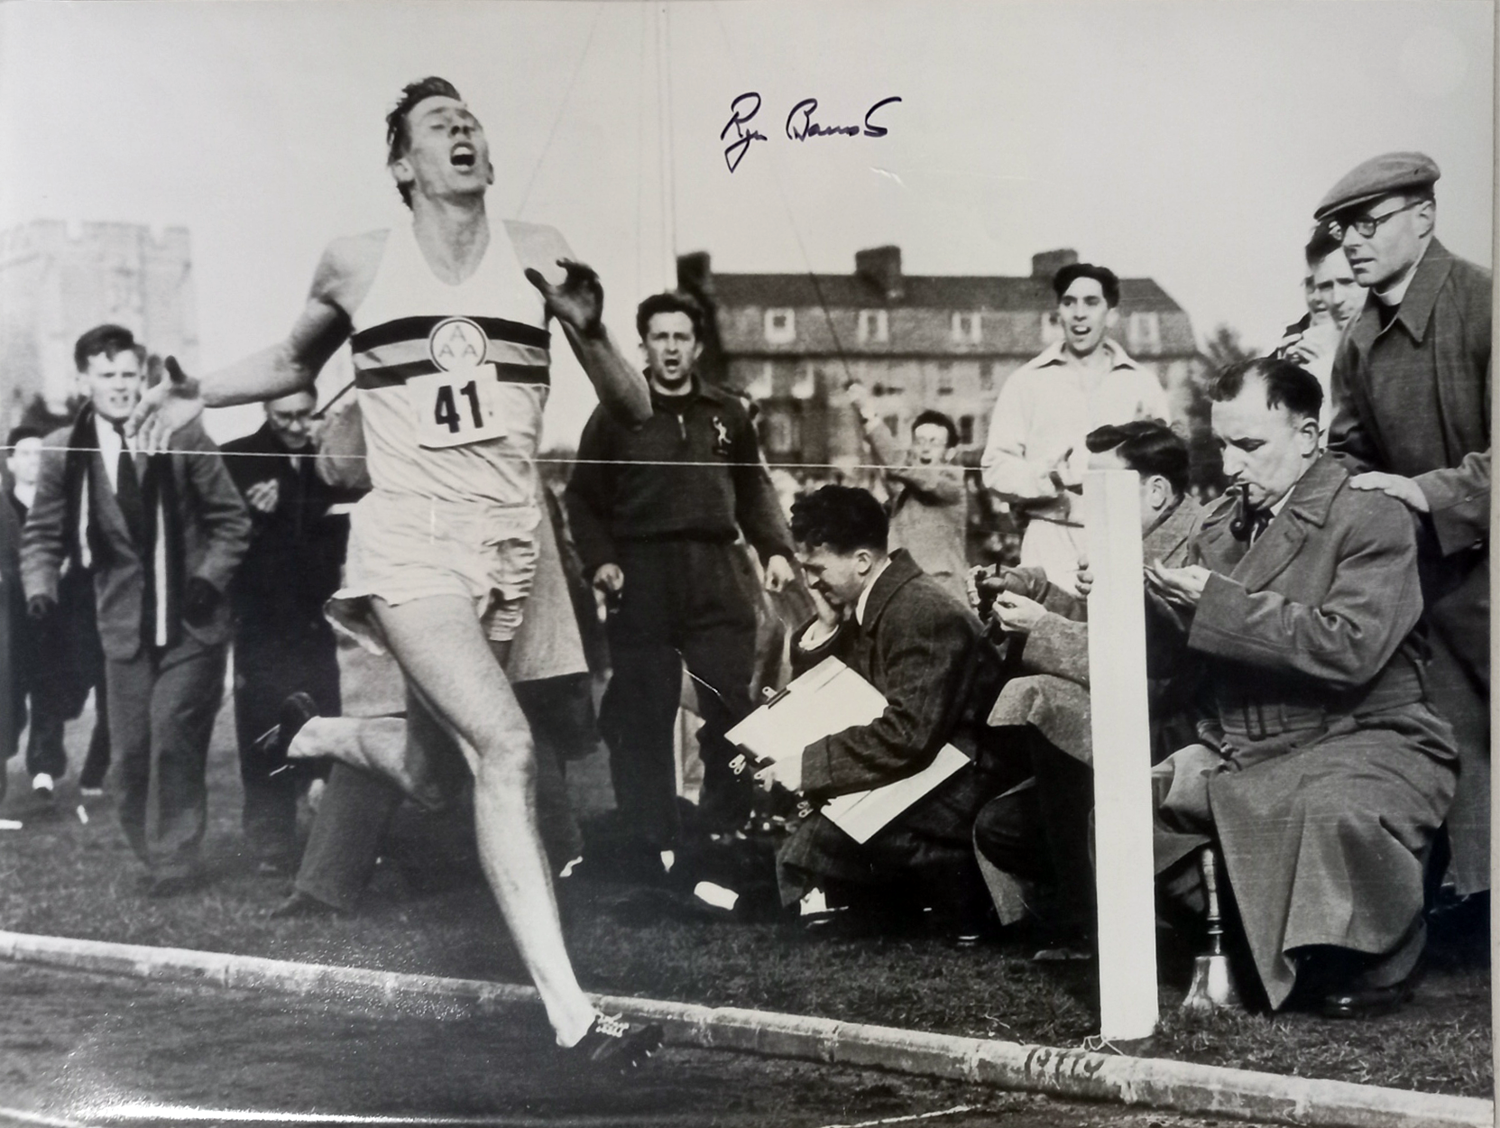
[656,513]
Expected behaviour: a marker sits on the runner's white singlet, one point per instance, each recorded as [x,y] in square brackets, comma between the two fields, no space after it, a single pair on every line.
[410,329]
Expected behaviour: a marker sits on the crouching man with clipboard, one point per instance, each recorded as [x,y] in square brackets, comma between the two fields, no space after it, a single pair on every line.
[899,632]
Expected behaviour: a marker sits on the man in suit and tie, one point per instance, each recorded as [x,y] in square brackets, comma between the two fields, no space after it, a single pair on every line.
[164,535]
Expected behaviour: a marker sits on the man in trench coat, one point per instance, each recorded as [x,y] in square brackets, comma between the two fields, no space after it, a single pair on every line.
[1327,772]
[1411,383]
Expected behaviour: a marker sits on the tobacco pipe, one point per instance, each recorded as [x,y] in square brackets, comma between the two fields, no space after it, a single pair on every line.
[1243,520]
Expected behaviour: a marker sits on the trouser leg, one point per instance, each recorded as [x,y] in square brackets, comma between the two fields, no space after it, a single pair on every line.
[345,840]
[1460,699]
[129,703]
[544,704]
[1065,800]
[636,719]
[721,661]
[265,675]
[44,743]
[185,698]
[96,762]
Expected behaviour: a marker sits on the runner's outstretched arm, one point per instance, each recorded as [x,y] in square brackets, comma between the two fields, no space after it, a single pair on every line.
[289,366]
[578,304]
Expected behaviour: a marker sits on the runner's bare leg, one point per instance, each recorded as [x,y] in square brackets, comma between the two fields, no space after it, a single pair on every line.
[443,652]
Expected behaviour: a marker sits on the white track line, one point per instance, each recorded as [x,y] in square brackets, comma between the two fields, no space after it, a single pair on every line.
[954,1111]
[131,1111]
[26,1116]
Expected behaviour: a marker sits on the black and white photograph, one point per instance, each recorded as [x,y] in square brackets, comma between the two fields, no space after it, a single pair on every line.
[698,563]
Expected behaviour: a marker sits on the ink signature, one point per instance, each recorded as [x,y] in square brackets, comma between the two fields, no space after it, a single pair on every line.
[741,110]
[801,131]
[799,125]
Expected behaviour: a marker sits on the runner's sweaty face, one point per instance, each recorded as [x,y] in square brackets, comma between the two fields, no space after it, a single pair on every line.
[447,155]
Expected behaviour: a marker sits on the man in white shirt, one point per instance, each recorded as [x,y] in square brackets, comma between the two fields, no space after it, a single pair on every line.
[1035,456]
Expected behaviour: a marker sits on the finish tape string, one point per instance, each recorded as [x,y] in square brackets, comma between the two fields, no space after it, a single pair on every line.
[842,468]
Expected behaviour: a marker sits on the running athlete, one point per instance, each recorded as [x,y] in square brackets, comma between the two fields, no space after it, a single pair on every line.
[450,348]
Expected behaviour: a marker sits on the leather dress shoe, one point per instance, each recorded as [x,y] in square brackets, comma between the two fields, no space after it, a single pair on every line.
[170,885]
[1364,1002]
[300,904]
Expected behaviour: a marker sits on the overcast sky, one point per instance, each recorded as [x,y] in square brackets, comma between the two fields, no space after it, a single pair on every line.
[1184,141]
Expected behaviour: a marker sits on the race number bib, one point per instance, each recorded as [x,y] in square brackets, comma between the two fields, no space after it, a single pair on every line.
[456,407]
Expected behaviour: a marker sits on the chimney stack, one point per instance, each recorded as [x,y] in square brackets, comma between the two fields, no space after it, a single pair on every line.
[881,267]
[694,273]
[1048,263]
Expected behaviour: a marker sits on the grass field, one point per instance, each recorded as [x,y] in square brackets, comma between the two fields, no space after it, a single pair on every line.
[428,912]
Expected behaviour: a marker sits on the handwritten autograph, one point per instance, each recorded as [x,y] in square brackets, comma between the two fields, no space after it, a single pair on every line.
[800,125]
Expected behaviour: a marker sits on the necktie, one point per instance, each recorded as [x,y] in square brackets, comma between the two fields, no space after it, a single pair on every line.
[128,491]
[1258,522]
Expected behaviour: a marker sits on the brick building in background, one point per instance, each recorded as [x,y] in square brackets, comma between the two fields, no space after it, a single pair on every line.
[57,280]
[792,341]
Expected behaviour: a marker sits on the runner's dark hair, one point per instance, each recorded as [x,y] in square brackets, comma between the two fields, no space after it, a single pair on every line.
[397,138]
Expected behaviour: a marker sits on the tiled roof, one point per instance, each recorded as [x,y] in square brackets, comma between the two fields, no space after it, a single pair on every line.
[944,292]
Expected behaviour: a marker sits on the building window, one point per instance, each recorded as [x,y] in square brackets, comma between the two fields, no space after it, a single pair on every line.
[966,329]
[1143,334]
[986,376]
[783,431]
[763,385]
[874,326]
[966,430]
[945,379]
[781,326]
[806,384]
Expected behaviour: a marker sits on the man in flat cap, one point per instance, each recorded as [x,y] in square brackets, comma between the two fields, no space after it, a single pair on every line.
[1412,384]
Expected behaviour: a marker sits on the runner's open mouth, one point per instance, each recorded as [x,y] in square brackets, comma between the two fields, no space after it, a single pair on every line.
[462,156]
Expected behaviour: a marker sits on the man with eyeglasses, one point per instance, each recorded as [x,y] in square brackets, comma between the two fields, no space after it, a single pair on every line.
[1412,384]
[282,640]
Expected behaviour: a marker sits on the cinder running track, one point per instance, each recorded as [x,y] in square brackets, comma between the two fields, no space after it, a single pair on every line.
[80,1049]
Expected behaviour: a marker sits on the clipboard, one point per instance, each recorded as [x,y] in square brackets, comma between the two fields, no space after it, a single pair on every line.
[828,699]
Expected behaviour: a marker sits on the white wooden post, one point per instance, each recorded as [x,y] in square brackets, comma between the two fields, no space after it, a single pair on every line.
[1122,757]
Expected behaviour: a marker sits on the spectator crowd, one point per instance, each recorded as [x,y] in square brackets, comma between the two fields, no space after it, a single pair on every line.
[1317,636]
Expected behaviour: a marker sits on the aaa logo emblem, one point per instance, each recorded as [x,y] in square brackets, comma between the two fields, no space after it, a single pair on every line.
[457,344]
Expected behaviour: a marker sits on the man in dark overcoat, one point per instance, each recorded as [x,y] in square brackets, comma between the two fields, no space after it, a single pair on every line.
[1327,772]
[283,643]
[1411,382]
[882,616]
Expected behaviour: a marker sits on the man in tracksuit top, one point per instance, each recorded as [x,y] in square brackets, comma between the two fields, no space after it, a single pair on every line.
[656,514]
